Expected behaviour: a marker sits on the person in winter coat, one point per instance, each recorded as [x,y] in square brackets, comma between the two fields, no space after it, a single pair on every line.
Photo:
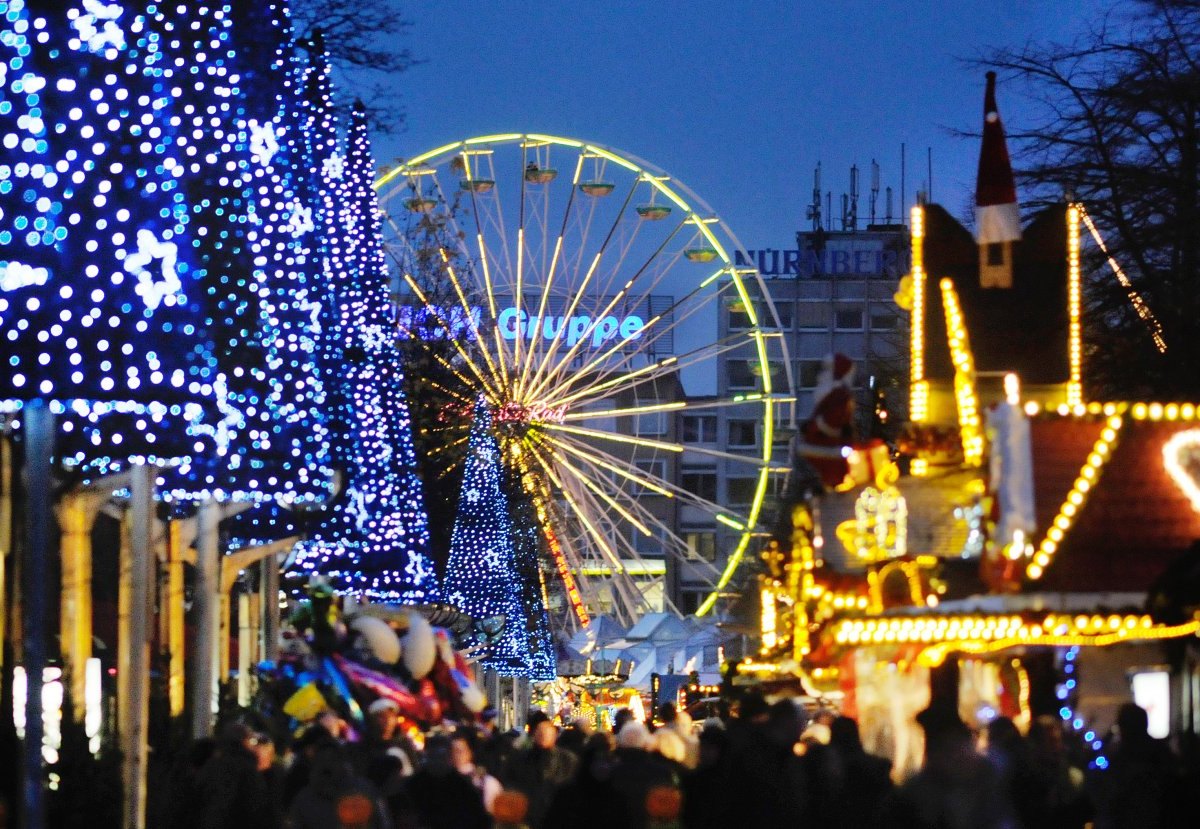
[332,790]
[440,797]
[462,755]
[849,786]
[957,788]
[705,789]
[639,769]
[539,771]
[230,791]
[591,801]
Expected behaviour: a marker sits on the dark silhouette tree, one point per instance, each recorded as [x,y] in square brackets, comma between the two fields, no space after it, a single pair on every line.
[1117,130]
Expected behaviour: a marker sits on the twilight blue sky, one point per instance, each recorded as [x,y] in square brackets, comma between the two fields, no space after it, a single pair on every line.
[739,100]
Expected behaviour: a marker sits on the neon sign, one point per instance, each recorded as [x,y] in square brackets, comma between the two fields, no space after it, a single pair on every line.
[434,323]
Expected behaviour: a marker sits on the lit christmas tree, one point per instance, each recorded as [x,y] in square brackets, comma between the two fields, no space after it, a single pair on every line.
[376,540]
[394,557]
[101,281]
[527,541]
[481,576]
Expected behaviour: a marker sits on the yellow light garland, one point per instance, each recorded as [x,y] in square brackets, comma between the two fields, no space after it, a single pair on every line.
[964,377]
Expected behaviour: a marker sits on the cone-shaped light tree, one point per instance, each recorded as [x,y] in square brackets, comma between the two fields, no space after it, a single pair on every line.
[527,541]
[481,576]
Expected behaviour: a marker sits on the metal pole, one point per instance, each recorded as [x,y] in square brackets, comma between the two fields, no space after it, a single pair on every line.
[5,536]
[75,624]
[39,443]
[269,579]
[175,620]
[207,600]
[136,710]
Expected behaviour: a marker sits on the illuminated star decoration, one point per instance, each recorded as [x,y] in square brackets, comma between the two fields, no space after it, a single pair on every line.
[301,221]
[334,166]
[14,275]
[154,291]
[263,143]
[97,26]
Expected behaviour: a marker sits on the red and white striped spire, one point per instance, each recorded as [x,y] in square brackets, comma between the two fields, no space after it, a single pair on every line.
[997,218]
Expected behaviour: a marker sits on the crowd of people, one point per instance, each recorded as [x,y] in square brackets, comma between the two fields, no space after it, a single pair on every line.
[770,765]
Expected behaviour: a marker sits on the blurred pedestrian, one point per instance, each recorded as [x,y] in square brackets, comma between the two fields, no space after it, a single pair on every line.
[462,755]
[440,797]
[334,792]
[539,770]
[590,801]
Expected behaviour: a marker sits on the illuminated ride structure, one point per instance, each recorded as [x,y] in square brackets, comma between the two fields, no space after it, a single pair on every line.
[1039,557]
[576,290]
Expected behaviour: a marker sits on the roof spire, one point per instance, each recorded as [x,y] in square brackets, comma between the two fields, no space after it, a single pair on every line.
[997,218]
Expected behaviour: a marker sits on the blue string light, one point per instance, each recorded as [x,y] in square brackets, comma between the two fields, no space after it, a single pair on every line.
[481,576]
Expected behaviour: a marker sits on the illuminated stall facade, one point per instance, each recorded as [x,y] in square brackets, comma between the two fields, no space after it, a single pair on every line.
[1038,556]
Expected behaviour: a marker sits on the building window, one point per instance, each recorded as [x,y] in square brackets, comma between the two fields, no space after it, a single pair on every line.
[848,319]
[883,322]
[701,544]
[743,433]
[741,490]
[810,372]
[812,316]
[652,424]
[738,318]
[995,254]
[689,601]
[653,468]
[652,545]
[783,310]
[700,481]
[740,375]
[699,428]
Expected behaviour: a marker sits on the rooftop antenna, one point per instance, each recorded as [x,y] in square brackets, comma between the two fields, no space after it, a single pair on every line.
[829,207]
[903,191]
[929,184]
[853,212]
[814,209]
[874,187]
[888,220]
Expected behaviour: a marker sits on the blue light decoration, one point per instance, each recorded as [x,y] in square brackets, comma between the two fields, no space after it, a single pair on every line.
[376,539]
[481,575]
[165,279]
[101,305]
[527,543]
[1067,693]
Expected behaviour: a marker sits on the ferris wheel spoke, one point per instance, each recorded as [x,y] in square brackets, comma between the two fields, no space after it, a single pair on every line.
[608,366]
[580,291]
[613,386]
[499,372]
[540,382]
[660,486]
[493,390]
[642,518]
[548,278]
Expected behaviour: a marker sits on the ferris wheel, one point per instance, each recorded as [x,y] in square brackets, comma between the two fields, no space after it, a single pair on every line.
[597,304]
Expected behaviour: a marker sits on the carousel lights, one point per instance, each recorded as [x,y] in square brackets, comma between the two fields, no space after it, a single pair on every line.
[984,634]
[1097,458]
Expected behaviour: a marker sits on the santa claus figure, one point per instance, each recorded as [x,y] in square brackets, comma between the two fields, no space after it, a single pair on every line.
[822,445]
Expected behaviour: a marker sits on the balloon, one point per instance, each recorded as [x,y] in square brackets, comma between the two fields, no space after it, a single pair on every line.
[382,641]
[420,649]
[305,704]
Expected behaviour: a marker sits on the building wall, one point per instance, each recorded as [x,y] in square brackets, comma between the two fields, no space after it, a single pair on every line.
[833,294]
